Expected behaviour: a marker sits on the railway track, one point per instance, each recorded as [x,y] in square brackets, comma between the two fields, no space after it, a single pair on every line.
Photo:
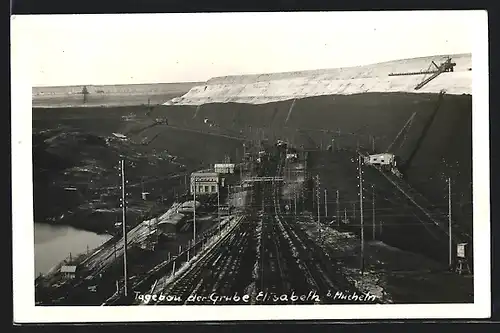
[317,267]
[196,276]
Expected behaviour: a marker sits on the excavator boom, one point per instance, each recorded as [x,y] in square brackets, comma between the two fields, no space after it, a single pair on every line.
[424,131]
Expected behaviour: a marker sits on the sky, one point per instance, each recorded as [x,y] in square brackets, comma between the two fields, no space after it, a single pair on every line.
[157,48]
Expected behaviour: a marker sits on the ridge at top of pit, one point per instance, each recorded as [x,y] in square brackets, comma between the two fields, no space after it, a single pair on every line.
[273,87]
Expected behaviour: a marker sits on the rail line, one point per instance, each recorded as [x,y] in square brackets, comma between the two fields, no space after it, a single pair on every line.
[183,285]
[316,272]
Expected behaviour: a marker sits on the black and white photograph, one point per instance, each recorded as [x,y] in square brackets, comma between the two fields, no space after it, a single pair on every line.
[300,165]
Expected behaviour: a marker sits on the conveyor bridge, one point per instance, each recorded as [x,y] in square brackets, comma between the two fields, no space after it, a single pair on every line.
[458,235]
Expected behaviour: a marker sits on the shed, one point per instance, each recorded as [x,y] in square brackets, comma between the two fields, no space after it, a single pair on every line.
[381,159]
[69,271]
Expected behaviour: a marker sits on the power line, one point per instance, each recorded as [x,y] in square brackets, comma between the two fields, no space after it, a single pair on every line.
[124,228]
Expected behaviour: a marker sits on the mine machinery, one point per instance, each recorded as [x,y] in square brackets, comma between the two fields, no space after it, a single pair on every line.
[422,136]
[435,70]
[85,93]
[388,160]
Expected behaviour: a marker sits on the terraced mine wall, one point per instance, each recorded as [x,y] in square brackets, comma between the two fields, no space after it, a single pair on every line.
[384,77]
[204,134]
[365,120]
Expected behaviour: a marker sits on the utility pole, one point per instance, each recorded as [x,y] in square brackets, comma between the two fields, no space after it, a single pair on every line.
[373,212]
[318,204]
[361,216]
[337,208]
[218,205]
[449,223]
[194,211]
[142,188]
[229,199]
[295,202]
[326,205]
[124,228]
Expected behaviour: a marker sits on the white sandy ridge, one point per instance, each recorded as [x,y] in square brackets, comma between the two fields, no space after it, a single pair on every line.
[265,88]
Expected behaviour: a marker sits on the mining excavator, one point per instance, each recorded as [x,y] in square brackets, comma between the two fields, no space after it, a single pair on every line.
[434,69]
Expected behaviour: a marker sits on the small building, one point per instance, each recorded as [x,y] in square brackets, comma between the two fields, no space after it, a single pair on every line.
[381,159]
[224,168]
[68,271]
[204,183]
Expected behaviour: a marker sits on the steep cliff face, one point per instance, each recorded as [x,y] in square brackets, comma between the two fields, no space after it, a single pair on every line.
[363,106]
[358,120]
[266,88]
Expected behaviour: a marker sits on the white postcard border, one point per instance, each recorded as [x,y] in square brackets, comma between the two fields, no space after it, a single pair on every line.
[23,231]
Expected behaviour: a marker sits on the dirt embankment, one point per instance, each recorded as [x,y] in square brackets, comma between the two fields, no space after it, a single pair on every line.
[350,121]
[367,120]
[364,120]
[375,78]
[77,151]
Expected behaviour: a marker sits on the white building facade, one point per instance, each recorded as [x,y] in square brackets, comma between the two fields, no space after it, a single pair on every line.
[204,182]
[224,168]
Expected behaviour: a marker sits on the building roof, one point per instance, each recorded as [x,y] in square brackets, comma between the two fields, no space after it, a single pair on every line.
[68,269]
[223,165]
[214,174]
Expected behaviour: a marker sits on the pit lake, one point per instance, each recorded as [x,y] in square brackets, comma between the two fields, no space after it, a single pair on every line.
[55,243]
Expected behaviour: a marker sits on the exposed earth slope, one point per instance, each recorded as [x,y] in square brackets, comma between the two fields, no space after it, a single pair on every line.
[265,88]
[203,133]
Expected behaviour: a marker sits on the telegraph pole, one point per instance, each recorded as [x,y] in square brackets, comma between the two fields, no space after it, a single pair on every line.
[318,204]
[194,212]
[361,215]
[218,205]
[295,203]
[373,212]
[449,223]
[337,208]
[326,205]
[229,199]
[124,228]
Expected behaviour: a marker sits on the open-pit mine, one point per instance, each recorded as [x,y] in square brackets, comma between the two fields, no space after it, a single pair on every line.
[329,186]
